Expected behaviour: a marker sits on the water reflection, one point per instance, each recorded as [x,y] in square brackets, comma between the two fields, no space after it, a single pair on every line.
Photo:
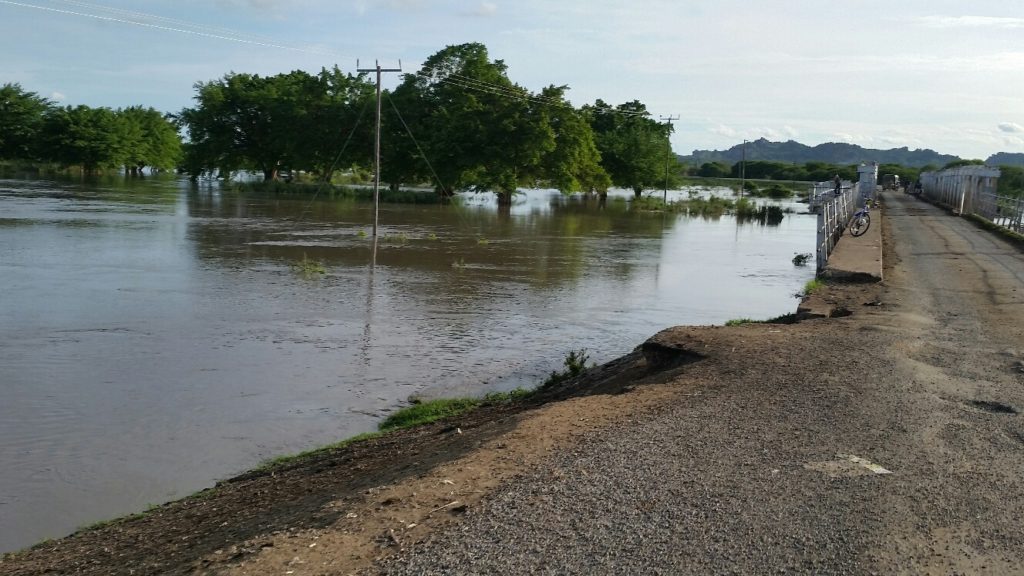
[151,323]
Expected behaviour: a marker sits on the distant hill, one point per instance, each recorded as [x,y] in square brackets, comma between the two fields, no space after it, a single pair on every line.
[831,152]
[1006,159]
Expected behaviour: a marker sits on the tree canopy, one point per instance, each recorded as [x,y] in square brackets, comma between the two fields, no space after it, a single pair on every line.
[459,122]
[634,147]
[34,129]
[476,129]
[293,121]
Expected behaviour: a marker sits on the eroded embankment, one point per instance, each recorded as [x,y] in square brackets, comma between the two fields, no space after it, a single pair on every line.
[339,510]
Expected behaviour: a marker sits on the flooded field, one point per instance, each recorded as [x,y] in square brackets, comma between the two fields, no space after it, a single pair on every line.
[156,337]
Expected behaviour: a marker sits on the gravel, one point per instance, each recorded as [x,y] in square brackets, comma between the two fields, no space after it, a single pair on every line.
[751,474]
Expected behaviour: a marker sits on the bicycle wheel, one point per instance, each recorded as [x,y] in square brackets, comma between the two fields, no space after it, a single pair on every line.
[860,225]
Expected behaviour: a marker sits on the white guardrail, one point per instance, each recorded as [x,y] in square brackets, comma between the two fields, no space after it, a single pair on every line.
[834,213]
[972,190]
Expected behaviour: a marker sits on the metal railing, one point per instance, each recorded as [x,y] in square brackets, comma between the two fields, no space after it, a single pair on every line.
[834,214]
[972,190]
[1005,211]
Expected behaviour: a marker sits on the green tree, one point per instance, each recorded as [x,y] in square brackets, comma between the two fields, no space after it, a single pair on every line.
[575,163]
[478,129]
[92,138]
[713,170]
[148,138]
[289,121]
[959,163]
[633,146]
[21,119]
[1011,181]
[906,174]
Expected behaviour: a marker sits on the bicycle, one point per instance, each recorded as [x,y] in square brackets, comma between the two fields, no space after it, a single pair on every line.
[861,221]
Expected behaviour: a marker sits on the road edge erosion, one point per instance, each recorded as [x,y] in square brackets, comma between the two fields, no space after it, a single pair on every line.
[348,505]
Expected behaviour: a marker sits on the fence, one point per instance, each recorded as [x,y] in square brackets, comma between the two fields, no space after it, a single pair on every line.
[834,214]
[1005,211]
[972,190]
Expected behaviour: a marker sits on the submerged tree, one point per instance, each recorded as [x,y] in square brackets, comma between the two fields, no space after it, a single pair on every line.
[478,130]
[93,138]
[289,121]
[633,146]
[148,139]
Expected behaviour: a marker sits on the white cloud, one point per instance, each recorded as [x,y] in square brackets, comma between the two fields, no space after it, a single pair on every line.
[1010,127]
[58,96]
[723,130]
[483,10]
[972,22]
[362,6]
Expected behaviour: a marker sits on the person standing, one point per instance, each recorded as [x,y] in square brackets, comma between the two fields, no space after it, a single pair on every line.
[839,185]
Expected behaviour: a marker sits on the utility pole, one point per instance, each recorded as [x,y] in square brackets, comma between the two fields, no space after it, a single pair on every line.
[376,153]
[668,153]
[743,170]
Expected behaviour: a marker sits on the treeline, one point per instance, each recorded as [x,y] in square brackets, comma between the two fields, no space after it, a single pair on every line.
[808,172]
[458,123]
[35,130]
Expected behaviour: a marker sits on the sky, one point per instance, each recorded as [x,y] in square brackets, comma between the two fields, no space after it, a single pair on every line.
[940,74]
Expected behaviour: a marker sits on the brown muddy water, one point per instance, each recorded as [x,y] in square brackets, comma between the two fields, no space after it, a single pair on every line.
[156,337]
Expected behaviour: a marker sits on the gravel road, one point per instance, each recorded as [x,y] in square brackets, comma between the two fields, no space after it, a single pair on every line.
[772,464]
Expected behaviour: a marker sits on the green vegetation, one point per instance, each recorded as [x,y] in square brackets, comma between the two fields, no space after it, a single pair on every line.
[294,121]
[633,146]
[575,363]
[1011,181]
[418,414]
[309,268]
[435,130]
[292,458]
[741,321]
[34,131]
[425,412]
[784,319]
[1010,235]
[802,259]
[813,286]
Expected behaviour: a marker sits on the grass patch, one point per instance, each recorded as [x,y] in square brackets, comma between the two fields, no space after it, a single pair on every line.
[710,207]
[309,268]
[650,204]
[292,458]
[813,286]
[741,321]
[426,412]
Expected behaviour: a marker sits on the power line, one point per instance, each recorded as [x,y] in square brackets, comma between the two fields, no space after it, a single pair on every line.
[148,16]
[228,34]
[169,28]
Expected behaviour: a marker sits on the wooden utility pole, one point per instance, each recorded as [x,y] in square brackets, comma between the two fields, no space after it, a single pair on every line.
[743,170]
[668,153]
[376,152]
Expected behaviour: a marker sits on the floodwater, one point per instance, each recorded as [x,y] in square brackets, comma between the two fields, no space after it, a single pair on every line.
[156,337]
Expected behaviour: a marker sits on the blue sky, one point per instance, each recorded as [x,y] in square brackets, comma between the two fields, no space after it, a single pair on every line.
[941,74]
